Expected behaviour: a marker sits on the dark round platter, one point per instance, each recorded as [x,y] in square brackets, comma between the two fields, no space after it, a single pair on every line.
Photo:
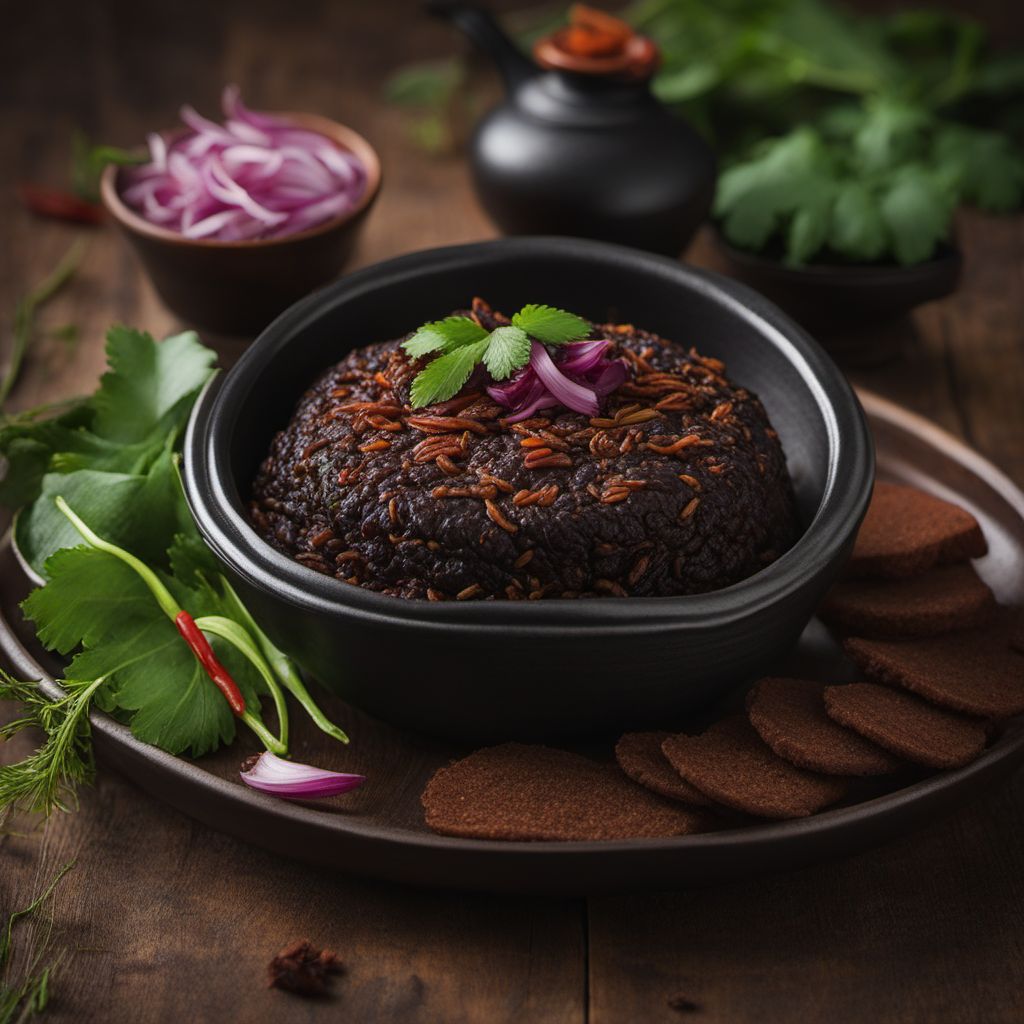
[379,831]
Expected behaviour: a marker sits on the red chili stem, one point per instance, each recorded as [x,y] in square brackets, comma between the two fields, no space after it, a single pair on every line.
[59,205]
[214,669]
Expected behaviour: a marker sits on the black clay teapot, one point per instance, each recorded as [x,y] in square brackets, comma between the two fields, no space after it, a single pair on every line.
[580,146]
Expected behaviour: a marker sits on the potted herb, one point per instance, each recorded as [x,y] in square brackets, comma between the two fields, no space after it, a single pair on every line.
[847,140]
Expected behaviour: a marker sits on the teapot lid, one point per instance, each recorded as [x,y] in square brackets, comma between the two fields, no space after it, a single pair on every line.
[597,43]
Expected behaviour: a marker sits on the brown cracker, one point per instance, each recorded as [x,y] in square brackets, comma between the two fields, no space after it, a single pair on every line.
[640,756]
[731,764]
[520,792]
[942,600]
[906,725]
[907,531]
[789,715]
[975,672]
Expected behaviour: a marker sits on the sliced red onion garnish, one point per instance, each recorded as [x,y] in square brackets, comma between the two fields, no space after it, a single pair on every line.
[581,377]
[255,176]
[272,774]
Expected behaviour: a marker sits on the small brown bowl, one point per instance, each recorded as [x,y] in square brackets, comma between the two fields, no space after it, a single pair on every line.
[239,287]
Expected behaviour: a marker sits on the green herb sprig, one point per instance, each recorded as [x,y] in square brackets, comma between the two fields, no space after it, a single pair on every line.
[25,313]
[104,470]
[885,123]
[461,344]
[26,997]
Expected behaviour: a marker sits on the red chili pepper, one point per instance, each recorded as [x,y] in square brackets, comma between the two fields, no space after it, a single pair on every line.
[214,669]
[51,202]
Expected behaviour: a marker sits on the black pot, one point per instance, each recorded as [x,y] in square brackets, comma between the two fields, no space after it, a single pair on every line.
[485,670]
[582,147]
[831,297]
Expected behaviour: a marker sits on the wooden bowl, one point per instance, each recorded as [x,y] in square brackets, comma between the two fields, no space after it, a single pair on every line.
[239,287]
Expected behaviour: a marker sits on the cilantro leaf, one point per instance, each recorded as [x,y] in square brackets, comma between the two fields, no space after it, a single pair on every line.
[444,377]
[146,395]
[88,591]
[444,335]
[95,601]
[154,674]
[550,325]
[757,196]
[986,167]
[891,132]
[916,210]
[507,349]
[857,229]
[147,382]
[809,226]
[27,446]
[140,510]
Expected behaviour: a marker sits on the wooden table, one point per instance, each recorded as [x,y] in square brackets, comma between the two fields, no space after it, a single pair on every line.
[166,921]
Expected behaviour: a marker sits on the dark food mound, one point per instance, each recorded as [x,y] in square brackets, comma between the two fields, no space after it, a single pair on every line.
[679,486]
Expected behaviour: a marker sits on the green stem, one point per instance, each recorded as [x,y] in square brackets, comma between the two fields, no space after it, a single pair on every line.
[240,639]
[150,578]
[265,736]
[25,312]
[170,608]
[283,666]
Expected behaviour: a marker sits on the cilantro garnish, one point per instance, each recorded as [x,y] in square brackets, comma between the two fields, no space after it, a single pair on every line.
[142,609]
[461,344]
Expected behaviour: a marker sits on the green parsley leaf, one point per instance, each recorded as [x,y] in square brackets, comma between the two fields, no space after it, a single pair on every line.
[123,428]
[140,510]
[550,325]
[148,383]
[986,167]
[95,601]
[890,133]
[759,195]
[810,224]
[444,377]
[507,349]
[857,229]
[916,210]
[444,335]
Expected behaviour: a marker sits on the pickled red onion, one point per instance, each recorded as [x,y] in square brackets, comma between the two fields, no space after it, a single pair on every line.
[581,377]
[257,176]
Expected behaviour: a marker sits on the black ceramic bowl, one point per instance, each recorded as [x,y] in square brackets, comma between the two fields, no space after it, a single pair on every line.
[480,671]
[827,297]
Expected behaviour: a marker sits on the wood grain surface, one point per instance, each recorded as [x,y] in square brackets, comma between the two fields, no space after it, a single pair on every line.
[162,920]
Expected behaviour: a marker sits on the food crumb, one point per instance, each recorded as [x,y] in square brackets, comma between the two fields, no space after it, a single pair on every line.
[301,969]
[683,1004]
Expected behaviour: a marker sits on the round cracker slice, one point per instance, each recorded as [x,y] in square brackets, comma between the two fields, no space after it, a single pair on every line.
[640,756]
[975,672]
[519,792]
[906,725]
[732,765]
[942,600]
[907,531]
[789,715]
